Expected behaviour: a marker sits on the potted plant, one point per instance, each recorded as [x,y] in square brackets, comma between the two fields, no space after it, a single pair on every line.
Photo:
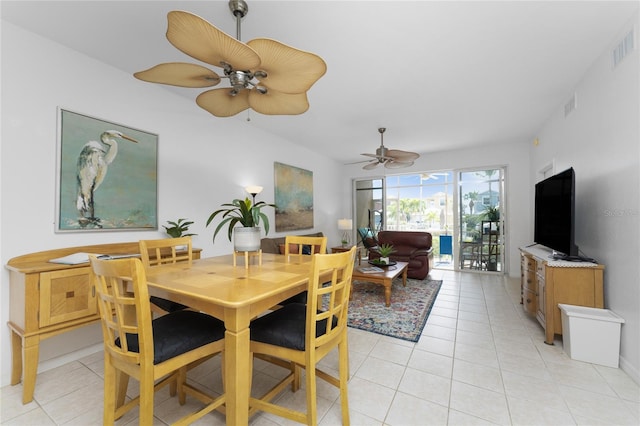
[492,213]
[179,228]
[243,212]
[385,251]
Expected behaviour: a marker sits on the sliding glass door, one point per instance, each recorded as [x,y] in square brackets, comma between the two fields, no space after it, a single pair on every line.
[481,218]
[461,209]
[368,207]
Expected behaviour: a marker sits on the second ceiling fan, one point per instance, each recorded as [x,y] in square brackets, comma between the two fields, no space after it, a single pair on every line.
[391,158]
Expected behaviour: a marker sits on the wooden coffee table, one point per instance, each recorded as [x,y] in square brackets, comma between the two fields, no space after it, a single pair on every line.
[384,278]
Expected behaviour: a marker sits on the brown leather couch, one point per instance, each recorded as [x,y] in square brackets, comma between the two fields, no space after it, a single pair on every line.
[410,246]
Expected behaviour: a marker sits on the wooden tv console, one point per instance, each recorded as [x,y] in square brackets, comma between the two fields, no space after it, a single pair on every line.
[544,283]
[47,299]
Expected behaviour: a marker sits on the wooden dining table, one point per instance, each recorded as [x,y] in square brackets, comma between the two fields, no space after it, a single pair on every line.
[234,294]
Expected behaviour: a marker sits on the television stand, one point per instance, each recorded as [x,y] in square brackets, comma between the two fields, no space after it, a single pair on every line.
[546,282]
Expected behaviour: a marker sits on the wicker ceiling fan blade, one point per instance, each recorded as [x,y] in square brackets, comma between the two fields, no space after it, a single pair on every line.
[278,103]
[199,39]
[393,164]
[220,103]
[179,74]
[398,154]
[371,165]
[358,162]
[289,70]
[378,157]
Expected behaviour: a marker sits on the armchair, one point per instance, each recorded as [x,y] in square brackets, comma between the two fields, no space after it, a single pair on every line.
[410,246]
[368,239]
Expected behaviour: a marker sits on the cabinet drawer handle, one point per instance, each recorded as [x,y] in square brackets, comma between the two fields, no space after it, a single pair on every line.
[70,294]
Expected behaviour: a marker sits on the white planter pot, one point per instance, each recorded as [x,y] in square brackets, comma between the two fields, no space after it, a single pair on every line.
[384,260]
[246,239]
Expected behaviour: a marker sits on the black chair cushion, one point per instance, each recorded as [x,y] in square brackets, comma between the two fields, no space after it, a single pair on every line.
[298,298]
[167,305]
[285,327]
[179,332]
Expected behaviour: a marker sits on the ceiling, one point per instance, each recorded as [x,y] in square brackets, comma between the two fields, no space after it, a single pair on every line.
[438,75]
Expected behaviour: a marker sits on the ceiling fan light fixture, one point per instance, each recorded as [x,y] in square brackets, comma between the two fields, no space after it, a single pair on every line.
[284,74]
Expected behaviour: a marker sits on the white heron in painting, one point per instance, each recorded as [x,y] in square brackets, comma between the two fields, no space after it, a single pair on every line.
[92,166]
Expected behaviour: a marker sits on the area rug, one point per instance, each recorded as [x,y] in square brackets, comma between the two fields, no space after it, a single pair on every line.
[407,315]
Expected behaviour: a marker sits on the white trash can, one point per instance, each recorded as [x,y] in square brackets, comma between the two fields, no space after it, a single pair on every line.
[591,334]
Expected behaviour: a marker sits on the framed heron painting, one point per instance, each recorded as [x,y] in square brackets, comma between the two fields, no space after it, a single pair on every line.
[107,175]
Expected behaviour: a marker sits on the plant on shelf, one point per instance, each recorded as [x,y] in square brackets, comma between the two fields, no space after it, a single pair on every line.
[492,213]
[179,228]
[245,213]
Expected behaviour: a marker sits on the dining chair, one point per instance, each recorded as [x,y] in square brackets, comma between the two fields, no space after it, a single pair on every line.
[305,334]
[296,246]
[145,349]
[166,251]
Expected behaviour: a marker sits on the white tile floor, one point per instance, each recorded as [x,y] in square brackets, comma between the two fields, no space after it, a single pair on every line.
[480,361]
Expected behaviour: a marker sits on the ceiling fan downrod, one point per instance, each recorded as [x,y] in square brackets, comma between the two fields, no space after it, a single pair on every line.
[381,152]
[239,9]
[241,79]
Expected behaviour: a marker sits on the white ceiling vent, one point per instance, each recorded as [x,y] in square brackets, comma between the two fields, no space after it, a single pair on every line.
[623,48]
[570,105]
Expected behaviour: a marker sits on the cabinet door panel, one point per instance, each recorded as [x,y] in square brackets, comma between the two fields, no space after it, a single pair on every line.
[66,295]
[573,286]
[529,301]
[541,300]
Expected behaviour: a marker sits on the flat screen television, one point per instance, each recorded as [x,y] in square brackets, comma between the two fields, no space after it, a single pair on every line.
[554,222]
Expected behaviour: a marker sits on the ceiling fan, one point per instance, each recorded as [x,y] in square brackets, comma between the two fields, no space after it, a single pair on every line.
[391,158]
[265,75]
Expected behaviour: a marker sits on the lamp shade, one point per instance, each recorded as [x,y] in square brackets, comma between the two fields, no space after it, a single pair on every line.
[253,190]
[345,224]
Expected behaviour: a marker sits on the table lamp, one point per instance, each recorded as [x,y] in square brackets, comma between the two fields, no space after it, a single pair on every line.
[345,225]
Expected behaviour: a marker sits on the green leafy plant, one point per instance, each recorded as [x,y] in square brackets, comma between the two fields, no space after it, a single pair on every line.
[385,250]
[492,213]
[240,212]
[178,229]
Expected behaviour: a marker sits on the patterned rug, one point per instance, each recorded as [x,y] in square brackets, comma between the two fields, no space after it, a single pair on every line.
[407,315]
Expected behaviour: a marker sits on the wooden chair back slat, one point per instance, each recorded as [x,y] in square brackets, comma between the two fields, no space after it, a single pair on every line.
[166,251]
[317,244]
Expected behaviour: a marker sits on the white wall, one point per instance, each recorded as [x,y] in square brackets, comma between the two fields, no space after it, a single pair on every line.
[513,156]
[203,161]
[600,140]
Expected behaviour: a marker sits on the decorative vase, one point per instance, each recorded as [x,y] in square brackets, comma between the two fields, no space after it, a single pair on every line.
[384,260]
[246,239]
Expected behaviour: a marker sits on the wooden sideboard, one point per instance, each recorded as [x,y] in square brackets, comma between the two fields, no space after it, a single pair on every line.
[545,283]
[47,299]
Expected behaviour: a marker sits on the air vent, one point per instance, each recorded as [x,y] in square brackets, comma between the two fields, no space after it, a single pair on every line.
[570,106]
[623,48]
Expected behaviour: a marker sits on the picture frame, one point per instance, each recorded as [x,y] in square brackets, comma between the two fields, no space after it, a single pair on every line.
[106,175]
[293,197]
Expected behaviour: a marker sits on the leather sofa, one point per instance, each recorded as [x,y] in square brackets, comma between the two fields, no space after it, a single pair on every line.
[413,247]
[273,245]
